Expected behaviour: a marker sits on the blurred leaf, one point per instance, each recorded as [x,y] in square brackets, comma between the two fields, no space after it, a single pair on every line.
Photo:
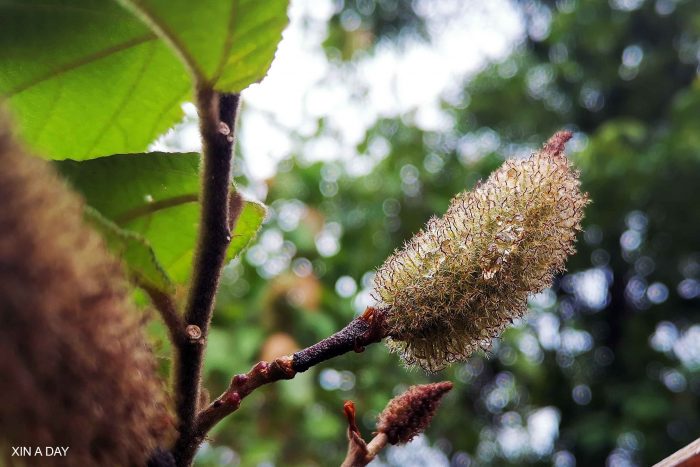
[225,343]
[593,431]
[300,392]
[154,195]
[134,250]
[86,78]
[646,406]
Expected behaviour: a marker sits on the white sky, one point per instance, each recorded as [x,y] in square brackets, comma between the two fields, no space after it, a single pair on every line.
[406,80]
[303,86]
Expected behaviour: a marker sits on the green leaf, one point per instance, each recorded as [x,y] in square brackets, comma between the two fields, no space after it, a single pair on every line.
[84,78]
[134,250]
[87,78]
[249,222]
[225,44]
[154,195]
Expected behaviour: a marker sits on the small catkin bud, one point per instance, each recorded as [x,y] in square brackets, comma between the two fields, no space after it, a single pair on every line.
[76,369]
[410,413]
[467,275]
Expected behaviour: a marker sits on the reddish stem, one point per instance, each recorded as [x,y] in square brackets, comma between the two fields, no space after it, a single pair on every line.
[364,330]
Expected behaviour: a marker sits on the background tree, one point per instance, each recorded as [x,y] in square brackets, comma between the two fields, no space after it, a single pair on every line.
[611,349]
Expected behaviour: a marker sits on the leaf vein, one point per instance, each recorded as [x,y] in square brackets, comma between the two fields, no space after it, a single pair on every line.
[228,42]
[161,29]
[127,95]
[151,208]
[87,60]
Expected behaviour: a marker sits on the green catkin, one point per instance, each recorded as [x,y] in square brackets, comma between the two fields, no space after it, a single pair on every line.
[76,368]
[467,275]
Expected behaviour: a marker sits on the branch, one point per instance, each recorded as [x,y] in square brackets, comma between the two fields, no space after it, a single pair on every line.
[364,330]
[684,457]
[217,116]
[165,304]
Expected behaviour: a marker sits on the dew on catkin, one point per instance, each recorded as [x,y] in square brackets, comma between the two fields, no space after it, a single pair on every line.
[409,414]
[76,368]
[467,275]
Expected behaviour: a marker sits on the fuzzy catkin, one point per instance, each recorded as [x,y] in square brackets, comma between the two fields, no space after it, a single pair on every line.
[409,414]
[467,275]
[76,368]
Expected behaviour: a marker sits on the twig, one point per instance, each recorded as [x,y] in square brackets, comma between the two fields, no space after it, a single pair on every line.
[376,444]
[404,417]
[364,330]
[165,304]
[217,116]
[688,456]
[360,453]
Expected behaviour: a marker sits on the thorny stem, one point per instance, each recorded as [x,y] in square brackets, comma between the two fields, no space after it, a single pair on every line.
[364,330]
[220,209]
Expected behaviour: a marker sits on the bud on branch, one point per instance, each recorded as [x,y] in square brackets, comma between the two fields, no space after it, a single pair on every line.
[410,413]
[404,417]
[456,284]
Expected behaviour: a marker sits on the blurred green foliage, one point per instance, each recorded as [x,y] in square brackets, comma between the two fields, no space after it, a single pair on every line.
[612,348]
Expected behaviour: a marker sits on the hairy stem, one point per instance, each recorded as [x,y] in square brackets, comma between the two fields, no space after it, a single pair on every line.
[217,116]
[364,330]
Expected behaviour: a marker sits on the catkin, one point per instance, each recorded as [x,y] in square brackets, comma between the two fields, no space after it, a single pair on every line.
[467,275]
[409,414]
[76,368]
